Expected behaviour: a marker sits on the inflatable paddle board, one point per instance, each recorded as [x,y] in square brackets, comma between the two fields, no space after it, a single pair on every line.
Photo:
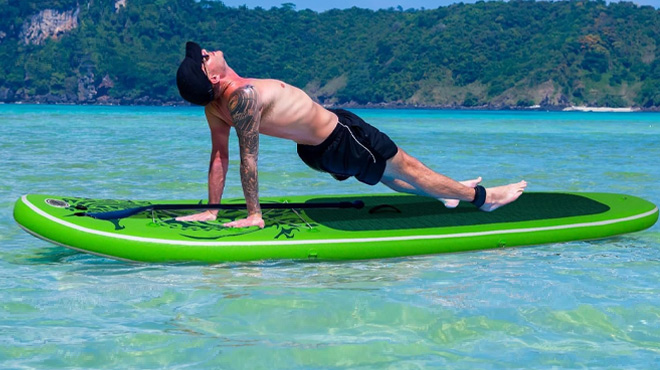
[325,227]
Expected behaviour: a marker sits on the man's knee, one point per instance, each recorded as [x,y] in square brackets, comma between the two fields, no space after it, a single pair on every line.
[402,165]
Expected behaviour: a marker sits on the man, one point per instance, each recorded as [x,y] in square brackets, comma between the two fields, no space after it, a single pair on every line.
[333,141]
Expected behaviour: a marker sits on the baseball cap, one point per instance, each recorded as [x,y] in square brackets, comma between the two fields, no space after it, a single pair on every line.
[193,84]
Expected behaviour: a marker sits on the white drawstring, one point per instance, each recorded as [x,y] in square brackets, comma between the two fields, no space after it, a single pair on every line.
[357,141]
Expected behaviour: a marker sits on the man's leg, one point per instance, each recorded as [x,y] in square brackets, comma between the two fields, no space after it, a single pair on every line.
[403,187]
[408,173]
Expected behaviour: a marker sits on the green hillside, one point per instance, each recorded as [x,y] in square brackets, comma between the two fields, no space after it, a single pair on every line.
[496,54]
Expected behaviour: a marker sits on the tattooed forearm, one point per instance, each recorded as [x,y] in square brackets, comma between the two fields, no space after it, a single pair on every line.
[249,173]
[244,110]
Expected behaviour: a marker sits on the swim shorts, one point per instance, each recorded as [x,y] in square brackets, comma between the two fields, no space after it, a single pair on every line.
[354,148]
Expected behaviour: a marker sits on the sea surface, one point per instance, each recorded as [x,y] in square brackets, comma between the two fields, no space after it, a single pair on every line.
[589,304]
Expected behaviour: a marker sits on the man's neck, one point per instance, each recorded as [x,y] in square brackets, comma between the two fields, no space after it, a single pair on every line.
[230,81]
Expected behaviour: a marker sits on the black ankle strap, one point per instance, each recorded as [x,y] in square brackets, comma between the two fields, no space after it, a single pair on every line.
[479,196]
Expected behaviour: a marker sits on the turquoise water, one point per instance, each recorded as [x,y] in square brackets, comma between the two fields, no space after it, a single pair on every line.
[572,305]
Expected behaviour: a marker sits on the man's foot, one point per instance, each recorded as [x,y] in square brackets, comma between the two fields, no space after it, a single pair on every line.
[502,195]
[453,203]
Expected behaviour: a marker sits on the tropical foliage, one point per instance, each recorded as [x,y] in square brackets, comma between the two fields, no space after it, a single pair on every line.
[515,53]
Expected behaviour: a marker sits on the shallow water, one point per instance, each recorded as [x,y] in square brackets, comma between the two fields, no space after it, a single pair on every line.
[583,304]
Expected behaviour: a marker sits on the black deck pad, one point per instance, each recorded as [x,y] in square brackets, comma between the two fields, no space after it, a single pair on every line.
[397,212]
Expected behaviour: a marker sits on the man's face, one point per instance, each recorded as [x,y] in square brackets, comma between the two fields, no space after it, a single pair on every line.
[213,63]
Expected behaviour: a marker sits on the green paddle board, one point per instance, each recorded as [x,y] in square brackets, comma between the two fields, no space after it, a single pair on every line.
[389,225]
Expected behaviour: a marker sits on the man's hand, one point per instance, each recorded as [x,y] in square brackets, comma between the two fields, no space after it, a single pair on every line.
[204,216]
[253,220]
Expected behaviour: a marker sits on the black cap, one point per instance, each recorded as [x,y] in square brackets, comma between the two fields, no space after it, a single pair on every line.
[193,84]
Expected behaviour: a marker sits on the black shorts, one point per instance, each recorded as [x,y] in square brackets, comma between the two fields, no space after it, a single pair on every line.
[354,148]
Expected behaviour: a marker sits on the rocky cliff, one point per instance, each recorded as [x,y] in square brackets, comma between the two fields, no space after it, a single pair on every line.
[48,23]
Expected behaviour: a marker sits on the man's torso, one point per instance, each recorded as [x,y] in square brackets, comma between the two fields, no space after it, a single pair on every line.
[286,112]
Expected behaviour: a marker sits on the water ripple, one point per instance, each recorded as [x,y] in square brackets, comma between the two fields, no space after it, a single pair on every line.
[583,304]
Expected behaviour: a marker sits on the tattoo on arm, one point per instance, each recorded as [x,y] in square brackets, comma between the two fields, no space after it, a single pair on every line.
[244,110]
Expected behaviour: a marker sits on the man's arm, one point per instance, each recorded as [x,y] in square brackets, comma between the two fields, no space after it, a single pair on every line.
[219,157]
[217,166]
[245,110]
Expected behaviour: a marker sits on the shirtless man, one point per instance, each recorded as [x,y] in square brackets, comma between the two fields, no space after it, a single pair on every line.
[333,141]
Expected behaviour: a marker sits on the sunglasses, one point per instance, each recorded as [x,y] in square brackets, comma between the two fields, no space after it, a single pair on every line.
[205,58]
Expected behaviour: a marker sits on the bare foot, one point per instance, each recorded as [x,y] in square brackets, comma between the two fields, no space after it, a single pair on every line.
[502,195]
[453,203]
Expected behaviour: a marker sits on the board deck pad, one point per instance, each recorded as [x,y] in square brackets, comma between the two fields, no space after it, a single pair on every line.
[389,225]
[392,212]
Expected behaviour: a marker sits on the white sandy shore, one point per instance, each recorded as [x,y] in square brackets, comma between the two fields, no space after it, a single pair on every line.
[600,109]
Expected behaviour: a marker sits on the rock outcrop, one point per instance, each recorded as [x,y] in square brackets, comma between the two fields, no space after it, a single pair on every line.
[119,4]
[48,23]
[6,95]
[86,89]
